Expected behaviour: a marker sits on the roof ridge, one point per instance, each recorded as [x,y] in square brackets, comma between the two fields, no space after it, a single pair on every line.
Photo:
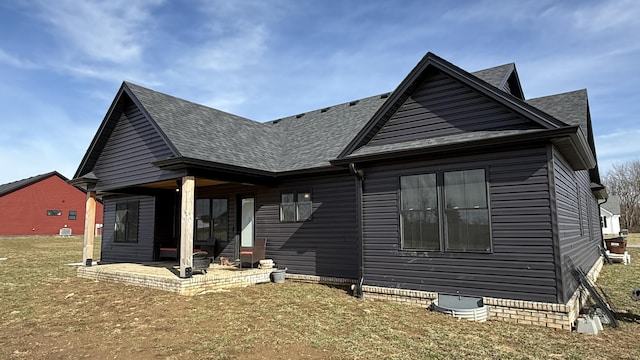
[19,184]
[558,94]
[290,117]
[191,102]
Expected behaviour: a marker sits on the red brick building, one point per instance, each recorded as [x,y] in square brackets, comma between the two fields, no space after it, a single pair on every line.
[41,205]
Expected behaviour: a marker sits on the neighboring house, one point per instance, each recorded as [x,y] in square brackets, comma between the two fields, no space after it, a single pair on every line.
[610,215]
[453,183]
[42,205]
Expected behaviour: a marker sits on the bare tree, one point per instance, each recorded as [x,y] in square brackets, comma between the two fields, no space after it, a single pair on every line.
[623,179]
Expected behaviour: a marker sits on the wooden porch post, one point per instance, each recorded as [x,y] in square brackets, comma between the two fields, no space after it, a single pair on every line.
[89,228]
[186,225]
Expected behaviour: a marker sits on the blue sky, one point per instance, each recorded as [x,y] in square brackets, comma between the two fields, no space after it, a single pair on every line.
[62,62]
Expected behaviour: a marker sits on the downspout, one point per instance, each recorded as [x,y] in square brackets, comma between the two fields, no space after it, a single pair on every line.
[603,244]
[359,177]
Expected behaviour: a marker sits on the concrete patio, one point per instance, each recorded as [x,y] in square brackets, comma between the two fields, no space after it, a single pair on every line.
[165,276]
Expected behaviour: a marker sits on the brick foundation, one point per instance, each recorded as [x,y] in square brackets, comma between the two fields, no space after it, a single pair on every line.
[321,279]
[552,315]
[191,286]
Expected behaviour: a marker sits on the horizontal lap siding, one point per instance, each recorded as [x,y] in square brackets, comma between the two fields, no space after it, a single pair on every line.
[132,146]
[129,252]
[575,204]
[442,106]
[327,244]
[324,246]
[521,265]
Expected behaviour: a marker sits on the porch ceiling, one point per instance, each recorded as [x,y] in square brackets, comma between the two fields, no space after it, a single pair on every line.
[172,184]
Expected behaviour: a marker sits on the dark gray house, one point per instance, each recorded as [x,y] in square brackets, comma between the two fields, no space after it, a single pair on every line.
[453,183]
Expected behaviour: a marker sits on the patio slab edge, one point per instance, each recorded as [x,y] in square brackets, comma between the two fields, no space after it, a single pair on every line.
[192,286]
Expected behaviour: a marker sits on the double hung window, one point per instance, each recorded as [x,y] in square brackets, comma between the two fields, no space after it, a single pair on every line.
[295,206]
[211,220]
[445,210]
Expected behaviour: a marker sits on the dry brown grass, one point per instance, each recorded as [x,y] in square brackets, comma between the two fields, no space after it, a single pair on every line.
[49,313]
[633,239]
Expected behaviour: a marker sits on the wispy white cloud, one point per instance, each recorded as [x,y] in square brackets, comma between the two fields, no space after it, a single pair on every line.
[617,146]
[618,15]
[110,31]
[15,61]
[221,69]
[49,142]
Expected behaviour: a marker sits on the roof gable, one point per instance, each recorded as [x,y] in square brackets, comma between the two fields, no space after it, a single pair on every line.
[458,108]
[203,133]
[440,106]
[427,67]
[116,110]
[19,184]
[504,77]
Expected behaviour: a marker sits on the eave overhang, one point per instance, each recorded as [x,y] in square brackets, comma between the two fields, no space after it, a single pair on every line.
[577,150]
[599,191]
[216,170]
[579,156]
[408,84]
[87,182]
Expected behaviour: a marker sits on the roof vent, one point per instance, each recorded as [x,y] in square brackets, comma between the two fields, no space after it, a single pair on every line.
[384,96]
[276,121]
[300,115]
[325,110]
[353,103]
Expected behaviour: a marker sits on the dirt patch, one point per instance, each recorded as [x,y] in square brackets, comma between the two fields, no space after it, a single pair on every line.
[49,313]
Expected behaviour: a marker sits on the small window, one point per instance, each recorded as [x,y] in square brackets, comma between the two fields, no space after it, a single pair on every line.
[73,215]
[126,224]
[305,206]
[287,207]
[295,207]
[54,212]
[603,221]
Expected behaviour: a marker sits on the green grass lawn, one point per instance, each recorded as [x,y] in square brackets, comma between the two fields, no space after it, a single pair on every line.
[49,313]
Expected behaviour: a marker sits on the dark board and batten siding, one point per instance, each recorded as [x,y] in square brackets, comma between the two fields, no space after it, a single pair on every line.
[442,106]
[521,265]
[324,246]
[129,252]
[132,146]
[578,221]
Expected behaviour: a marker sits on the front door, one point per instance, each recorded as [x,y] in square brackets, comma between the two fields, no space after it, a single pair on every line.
[247,220]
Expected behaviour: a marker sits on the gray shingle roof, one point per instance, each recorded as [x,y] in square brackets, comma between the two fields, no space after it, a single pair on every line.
[317,137]
[570,107]
[16,185]
[288,144]
[437,141]
[612,205]
[495,76]
[313,139]
[204,133]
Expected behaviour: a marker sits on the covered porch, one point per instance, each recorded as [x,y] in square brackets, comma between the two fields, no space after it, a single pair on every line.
[164,276]
[196,212]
